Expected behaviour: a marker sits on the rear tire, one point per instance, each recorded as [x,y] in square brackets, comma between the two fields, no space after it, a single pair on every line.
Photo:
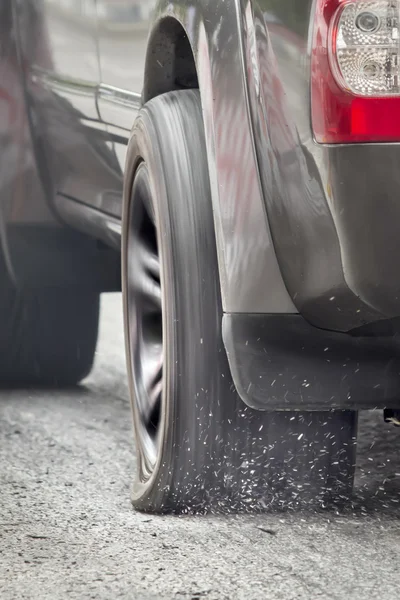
[47,336]
[198,446]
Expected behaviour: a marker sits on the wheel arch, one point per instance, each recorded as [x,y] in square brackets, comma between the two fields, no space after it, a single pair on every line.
[170,62]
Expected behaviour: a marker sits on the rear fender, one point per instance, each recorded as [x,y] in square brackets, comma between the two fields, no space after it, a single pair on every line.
[250,277]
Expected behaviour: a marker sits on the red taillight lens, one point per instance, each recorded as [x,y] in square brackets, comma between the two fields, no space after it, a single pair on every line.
[355,76]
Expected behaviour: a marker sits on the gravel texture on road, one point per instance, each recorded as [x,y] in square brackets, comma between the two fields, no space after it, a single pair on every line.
[67,529]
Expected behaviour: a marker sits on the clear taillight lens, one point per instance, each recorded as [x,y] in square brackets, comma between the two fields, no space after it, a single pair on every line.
[356,71]
[365,47]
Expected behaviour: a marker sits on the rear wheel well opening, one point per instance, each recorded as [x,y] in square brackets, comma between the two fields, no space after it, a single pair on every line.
[170,64]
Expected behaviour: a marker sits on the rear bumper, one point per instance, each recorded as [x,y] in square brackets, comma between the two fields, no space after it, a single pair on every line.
[282,362]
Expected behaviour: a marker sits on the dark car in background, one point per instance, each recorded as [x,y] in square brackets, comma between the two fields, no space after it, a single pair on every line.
[239,159]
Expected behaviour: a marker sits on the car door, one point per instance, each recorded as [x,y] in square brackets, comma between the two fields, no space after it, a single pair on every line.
[123,27]
[68,63]
[59,44]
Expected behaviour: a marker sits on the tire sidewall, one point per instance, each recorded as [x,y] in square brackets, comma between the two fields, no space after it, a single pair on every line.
[179,291]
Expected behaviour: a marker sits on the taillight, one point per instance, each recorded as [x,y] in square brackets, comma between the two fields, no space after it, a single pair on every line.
[355,76]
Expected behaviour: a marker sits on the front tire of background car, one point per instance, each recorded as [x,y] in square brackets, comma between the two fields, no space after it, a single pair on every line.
[198,446]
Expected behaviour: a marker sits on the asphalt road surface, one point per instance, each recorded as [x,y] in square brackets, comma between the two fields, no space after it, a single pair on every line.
[67,529]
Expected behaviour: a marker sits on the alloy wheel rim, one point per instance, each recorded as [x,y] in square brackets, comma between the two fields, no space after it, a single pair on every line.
[144,303]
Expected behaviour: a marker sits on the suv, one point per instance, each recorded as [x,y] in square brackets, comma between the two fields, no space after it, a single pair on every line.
[240,159]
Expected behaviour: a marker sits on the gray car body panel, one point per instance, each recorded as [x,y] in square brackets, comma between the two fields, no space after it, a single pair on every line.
[333,210]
